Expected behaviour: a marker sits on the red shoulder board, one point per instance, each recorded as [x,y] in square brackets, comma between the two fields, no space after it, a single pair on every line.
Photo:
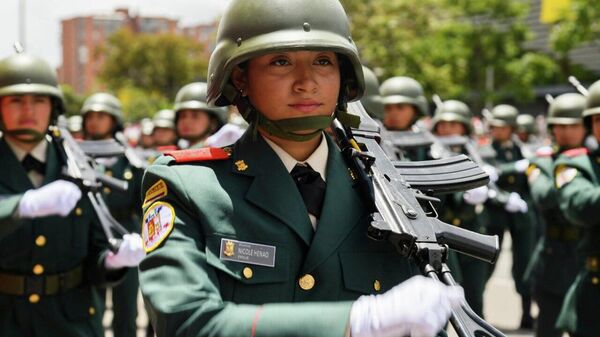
[580,151]
[544,151]
[167,148]
[202,154]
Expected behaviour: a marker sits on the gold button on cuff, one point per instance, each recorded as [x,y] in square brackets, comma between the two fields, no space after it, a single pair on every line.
[377,285]
[34,298]
[307,282]
[92,311]
[248,273]
[595,281]
[78,211]
[40,241]
[38,269]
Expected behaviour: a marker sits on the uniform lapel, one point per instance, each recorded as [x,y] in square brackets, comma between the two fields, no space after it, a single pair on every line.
[272,188]
[342,210]
[14,178]
[53,165]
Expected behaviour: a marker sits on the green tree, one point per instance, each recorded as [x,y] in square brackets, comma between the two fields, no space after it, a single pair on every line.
[471,50]
[147,70]
[73,101]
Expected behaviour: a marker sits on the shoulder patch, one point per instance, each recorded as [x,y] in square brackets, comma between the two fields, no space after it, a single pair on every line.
[580,151]
[157,225]
[155,192]
[564,175]
[194,155]
[544,151]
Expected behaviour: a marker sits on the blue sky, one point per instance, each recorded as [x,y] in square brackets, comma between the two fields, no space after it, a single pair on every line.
[43,19]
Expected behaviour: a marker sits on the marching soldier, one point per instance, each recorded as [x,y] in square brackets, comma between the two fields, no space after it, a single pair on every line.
[404,102]
[519,220]
[464,209]
[74,124]
[267,237]
[102,119]
[577,179]
[164,135]
[555,263]
[53,251]
[526,128]
[371,100]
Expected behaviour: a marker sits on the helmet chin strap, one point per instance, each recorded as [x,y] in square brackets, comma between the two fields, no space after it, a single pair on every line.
[36,136]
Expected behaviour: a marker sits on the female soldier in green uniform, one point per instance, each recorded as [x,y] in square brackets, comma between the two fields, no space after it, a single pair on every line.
[267,237]
[577,178]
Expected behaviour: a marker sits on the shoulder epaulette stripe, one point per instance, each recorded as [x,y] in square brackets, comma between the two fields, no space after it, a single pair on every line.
[580,151]
[203,154]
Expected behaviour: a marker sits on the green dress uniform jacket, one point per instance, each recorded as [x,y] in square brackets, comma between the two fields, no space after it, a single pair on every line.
[577,176]
[48,266]
[191,289]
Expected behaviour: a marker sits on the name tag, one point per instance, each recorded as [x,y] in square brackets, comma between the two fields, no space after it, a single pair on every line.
[247,252]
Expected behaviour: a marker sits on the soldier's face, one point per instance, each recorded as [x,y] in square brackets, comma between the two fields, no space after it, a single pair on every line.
[596,126]
[193,123]
[501,133]
[26,112]
[445,129]
[568,136]
[164,136]
[399,116]
[98,124]
[291,84]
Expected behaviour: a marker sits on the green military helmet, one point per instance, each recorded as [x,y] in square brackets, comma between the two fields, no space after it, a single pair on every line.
[104,102]
[503,115]
[526,124]
[453,111]
[164,118]
[193,96]
[23,74]
[252,28]
[404,90]
[592,103]
[371,100]
[566,109]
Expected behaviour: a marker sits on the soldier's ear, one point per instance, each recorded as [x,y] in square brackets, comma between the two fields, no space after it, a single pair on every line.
[239,78]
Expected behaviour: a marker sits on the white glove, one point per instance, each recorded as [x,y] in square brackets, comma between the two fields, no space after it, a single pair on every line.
[491,171]
[130,253]
[516,204]
[57,198]
[227,135]
[418,307]
[476,196]
[521,165]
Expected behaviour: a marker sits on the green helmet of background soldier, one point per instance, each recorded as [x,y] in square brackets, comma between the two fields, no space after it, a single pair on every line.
[107,103]
[405,90]
[503,115]
[258,27]
[453,111]
[24,74]
[164,119]
[371,100]
[566,109]
[526,124]
[592,104]
[193,97]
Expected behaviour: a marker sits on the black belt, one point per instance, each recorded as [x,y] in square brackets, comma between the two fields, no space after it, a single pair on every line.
[592,263]
[566,234]
[25,285]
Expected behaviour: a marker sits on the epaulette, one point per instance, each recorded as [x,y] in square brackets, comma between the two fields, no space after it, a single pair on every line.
[544,151]
[195,155]
[580,151]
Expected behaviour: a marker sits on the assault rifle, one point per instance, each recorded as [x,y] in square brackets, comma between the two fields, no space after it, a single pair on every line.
[400,215]
[112,148]
[80,168]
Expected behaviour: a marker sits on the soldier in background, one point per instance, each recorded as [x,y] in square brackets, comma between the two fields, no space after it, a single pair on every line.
[146,141]
[53,252]
[555,262]
[520,221]
[164,135]
[75,126]
[102,119]
[577,178]
[404,103]
[526,128]
[372,100]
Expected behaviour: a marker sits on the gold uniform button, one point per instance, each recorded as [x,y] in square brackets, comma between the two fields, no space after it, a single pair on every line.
[248,273]
[456,222]
[307,282]
[40,241]
[78,211]
[92,311]
[128,175]
[595,281]
[106,190]
[377,285]
[34,298]
[38,269]
[511,179]
[108,173]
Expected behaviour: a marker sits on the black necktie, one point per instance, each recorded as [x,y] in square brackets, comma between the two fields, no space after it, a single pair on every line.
[32,164]
[311,187]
